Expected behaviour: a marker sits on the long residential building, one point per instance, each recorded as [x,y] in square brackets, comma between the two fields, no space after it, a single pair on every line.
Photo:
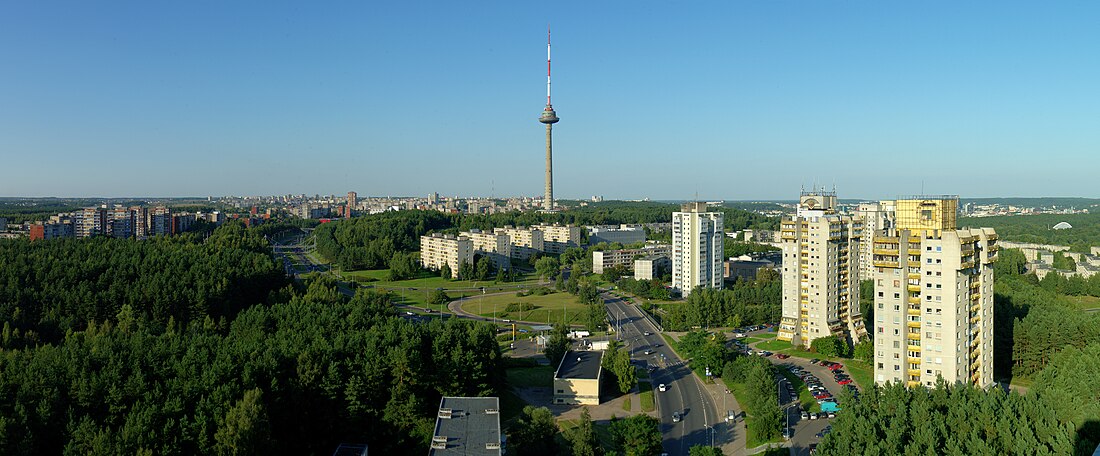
[494,246]
[697,248]
[525,241]
[438,249]
[820,273]
[622,235]
[933,297]
[556,238]
[605,259]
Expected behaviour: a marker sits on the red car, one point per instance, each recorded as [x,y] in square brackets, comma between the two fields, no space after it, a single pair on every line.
[835,366]
[823,395]
[782,355]
[845,381]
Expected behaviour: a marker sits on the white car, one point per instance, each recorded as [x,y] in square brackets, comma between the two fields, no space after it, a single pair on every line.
[647,333]
[662,388]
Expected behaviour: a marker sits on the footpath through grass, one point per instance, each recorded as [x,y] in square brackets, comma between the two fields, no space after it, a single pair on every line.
[645,393]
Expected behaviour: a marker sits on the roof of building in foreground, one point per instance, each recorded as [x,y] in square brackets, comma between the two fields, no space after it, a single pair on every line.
[580,365]
[467,426]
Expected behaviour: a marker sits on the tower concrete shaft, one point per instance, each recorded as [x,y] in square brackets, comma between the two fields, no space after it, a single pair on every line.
[548,198]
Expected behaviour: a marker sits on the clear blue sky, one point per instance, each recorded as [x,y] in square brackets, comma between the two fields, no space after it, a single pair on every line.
[733,100]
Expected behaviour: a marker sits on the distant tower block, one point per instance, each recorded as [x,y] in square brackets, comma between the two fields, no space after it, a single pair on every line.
[549,117]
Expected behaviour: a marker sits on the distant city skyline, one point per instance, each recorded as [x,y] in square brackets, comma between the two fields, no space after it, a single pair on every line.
[727,100]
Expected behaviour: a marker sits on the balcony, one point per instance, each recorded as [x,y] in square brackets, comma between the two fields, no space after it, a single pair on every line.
[912,311]
[885,264]
[882,251]
[913,288]
[913,336]
[915,372]
[912,324]
[914,252]
[913,360]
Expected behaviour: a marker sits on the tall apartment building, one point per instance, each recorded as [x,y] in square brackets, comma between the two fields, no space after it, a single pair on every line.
[605,259]
[352,196]
[556,238]
[697,248]
[525,241]
[93,221]
[820,272]
[933,297]
[496,247]
[438,249]
[877,217]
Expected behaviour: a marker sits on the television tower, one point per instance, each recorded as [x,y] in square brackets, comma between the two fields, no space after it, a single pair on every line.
[548,117]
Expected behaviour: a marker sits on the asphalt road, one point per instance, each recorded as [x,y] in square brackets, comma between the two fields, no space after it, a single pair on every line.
[685,392]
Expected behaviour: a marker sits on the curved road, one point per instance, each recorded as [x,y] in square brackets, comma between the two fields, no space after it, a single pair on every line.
[701,424]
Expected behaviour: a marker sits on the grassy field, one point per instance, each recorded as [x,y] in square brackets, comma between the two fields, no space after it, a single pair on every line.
[1085,302]
[774,345]
[528,377]
[646,395]
[547,308]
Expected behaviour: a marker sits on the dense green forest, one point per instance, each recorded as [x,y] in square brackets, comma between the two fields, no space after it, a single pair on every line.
[1033,320]
[368,242]
[1038,229]
[956,420]
[744,303]
[49,288]
[18,211]
[189,346]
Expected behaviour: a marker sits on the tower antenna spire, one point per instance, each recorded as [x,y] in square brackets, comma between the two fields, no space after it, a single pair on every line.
[548,65]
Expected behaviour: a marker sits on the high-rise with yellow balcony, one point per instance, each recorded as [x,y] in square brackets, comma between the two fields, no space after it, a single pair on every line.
[820,272]
[933,296]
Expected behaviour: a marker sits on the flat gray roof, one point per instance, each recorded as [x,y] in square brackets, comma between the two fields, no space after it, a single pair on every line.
[473,423]
[580,364]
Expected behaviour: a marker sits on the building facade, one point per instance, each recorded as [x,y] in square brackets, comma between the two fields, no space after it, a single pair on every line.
[496,247]
[877,217]
[630,235]
[820,274]
[577,380]
[651,267]
[933,297]
[525,241]
[437,250]
[556,238]
[606,259]
[697,248]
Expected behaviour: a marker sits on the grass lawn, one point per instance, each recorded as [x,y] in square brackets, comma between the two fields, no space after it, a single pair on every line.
[774,345]
[524,377]
[1085,302]
[646,395]
[626,404]
[547,308]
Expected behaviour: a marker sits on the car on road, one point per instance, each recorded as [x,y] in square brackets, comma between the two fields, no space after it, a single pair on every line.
[662,388]
[675,417]
[647,333]
[738,334]
[648,352]
[782,355]
[730,416]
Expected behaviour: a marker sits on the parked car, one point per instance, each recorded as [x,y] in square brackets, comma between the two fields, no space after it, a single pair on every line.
[730,416]
[662,388]
[814,361]
[835,366]
[805,415]
[782,355]
[832,414]
[845,381]
[738,334]
[813,416]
